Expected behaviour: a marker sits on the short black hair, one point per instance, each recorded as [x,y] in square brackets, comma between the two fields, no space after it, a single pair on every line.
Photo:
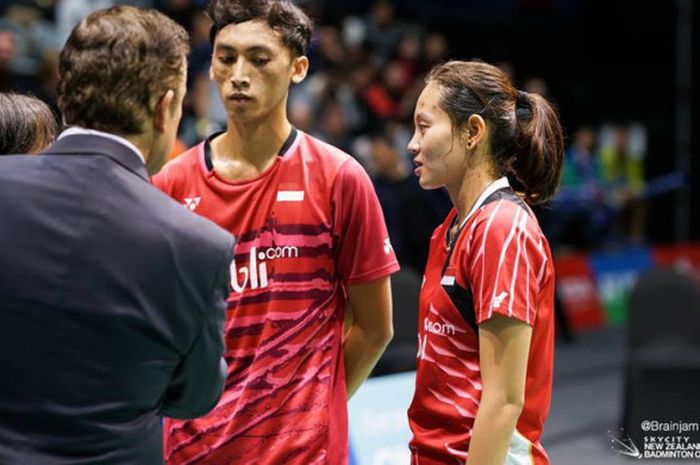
[283,16]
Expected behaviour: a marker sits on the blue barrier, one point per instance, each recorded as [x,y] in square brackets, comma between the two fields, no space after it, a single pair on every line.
[379,432]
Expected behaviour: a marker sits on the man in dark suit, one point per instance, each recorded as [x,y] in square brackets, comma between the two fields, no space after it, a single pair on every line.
[112,295]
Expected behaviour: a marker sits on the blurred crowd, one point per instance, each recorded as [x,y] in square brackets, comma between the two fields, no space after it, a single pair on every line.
[366,74]
[602,196]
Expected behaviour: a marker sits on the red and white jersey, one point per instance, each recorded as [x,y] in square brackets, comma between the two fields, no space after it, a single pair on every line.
[307,227]
[500,262]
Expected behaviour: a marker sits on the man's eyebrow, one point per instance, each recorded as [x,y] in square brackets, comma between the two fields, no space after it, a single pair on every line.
[253,49]
[259,48]
[225,48]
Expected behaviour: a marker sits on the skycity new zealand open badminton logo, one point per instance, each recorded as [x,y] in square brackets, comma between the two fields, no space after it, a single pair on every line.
[624,445]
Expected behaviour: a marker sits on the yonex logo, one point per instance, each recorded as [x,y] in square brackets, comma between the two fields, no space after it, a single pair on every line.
[387,246]
[192,202]
[498,300]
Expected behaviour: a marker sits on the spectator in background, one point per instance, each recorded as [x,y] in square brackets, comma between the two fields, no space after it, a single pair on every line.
[182,11]
[351,94]
[8,51]
[200,58]
[377,96]
[579,215]
[301,115]
[409,54]
[70,12]
[204,112]
[47,80]
[389,94]
[333,128]
[435,50]
[383,31]
[27,124]
[329,53]
[34,48]
[536,85]
[410,217]
[623,177]
[581,166]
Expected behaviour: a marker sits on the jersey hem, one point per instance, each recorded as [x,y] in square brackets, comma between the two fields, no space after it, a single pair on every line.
[516,315]
[364,278]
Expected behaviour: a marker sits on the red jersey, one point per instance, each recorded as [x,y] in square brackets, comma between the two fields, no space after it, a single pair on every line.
[499,263]
[307,227]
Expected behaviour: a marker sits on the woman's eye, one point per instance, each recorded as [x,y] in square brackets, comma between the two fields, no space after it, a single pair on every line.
[227,60]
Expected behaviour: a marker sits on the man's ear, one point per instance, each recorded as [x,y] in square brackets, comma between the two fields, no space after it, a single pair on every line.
[300,67]
[162,110]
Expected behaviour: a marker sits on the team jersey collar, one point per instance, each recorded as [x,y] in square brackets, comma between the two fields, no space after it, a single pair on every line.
[450,239]
[282,152]
[498,184]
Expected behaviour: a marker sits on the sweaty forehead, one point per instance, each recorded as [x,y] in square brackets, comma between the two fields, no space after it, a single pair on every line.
[429,101]
[249,34]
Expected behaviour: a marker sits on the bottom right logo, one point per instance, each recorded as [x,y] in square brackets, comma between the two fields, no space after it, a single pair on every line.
[659,440]
[623,445]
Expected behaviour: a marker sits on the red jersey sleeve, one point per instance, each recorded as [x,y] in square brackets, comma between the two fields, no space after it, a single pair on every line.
[362,248]
[161,181]
[506,264]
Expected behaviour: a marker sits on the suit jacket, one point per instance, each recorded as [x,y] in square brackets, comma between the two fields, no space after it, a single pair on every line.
[112,300]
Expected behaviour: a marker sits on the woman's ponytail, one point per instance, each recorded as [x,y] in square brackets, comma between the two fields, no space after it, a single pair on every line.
[539,149]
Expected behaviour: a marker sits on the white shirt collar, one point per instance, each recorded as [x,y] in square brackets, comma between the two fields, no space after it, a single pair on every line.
[499,183]
[77,130]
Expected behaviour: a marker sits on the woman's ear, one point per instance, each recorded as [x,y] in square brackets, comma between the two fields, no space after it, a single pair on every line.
[475,131]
